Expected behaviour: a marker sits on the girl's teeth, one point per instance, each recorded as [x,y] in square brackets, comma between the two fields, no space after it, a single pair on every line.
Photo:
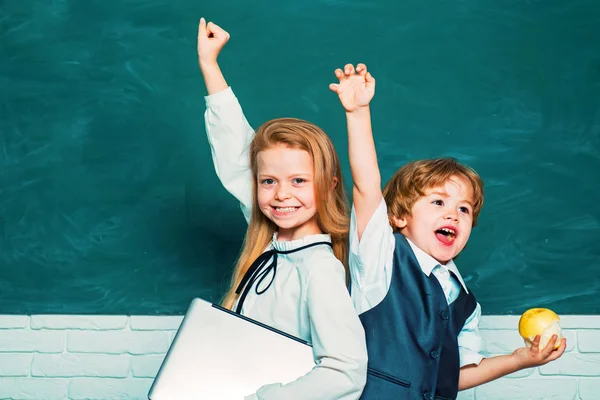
[285,209]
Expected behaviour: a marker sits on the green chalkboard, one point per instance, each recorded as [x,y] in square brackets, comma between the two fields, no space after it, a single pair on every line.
[109,203]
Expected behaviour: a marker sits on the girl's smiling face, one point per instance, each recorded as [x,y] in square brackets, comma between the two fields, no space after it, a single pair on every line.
[286,192]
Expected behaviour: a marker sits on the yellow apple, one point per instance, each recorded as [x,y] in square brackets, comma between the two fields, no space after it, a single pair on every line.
[540,321]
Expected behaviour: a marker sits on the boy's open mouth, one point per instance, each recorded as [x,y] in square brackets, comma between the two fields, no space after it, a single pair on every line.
[446,235]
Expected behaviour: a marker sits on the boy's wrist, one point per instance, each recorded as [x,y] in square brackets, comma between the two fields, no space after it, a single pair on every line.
[359,112]
[518,363]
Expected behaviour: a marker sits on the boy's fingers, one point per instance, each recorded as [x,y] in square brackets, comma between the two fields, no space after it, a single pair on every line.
[369,78]
[536,343]
[349,69]
[550,346]
[361,68]
[333,87]
[558,352]
[338,73]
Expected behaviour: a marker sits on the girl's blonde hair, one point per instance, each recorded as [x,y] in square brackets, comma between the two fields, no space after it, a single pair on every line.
[332,205]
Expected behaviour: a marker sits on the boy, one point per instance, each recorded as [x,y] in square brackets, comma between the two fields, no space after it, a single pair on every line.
[421,320]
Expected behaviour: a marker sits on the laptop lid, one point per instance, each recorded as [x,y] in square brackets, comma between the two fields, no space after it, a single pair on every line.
[218,354]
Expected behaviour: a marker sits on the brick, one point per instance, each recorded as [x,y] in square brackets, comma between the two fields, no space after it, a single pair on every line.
[108,389]
[528,389]
[118,342]
[16,364]
[19,340]
[93,322]
[580,321]
[589,389]
[508,322]
[466,395]
[154,323]
[33,388]
[146,366]
[573,364]
[501,341]
[588,341]
[84,365]
[14,321]
[571,337]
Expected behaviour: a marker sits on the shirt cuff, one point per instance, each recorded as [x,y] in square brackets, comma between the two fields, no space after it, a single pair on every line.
[217,99]
[472,358]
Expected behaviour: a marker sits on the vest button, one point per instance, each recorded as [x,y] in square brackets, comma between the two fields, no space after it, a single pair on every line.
[427,396]
[444,314]
[434,354]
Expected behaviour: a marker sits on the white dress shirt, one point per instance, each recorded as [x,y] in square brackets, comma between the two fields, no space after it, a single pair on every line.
[371,263]
[308,297]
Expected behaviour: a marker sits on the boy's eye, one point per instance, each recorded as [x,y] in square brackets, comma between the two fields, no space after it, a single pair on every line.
[464,210]
[298,181]
[267,181]
[438,202]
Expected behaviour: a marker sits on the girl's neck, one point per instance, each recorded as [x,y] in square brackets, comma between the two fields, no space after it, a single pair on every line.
[287,235]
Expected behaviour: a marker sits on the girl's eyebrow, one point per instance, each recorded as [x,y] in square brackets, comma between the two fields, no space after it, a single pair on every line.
[289,176]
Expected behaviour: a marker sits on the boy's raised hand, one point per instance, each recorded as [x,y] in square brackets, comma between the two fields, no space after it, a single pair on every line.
[356,87]
[534,356]
[211,39]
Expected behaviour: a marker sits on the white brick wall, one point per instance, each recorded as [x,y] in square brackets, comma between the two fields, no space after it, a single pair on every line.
[116,357]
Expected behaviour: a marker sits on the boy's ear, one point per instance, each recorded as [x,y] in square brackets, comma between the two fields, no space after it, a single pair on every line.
[399,223]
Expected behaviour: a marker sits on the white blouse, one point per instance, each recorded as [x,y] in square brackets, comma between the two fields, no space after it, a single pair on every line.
[308,297]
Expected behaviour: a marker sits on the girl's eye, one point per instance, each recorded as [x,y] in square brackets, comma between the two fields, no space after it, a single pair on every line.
[298,181]
[267,181]
[465,210]
[438,202]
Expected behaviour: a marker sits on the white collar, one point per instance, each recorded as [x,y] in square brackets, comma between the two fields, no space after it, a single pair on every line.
[296,243]
[428,263]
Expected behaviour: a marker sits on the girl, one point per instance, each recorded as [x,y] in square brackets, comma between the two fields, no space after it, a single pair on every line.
[290,273]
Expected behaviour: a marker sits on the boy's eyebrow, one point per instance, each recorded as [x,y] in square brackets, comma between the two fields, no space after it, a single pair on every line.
[444,194]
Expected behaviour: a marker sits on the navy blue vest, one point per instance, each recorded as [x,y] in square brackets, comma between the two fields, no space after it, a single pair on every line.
[412,335]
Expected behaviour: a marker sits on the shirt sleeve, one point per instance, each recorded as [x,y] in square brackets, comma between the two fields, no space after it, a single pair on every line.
[229,135]
[471,347]
[370,260]
[338,341]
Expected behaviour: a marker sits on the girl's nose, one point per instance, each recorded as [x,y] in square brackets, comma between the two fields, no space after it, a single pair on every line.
[282,194]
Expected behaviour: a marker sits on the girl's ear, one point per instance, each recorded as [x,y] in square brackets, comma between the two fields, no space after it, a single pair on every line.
[334,182]
[399,223]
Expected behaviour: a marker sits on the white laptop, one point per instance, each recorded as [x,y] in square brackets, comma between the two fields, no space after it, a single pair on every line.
[218,354]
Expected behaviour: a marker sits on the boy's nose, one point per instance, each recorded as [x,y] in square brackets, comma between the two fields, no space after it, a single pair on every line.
[452,214]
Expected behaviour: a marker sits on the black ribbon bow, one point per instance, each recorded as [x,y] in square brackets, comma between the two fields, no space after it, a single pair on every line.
[258,272]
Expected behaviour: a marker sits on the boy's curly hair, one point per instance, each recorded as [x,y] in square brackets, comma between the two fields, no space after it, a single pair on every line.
[411,181]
